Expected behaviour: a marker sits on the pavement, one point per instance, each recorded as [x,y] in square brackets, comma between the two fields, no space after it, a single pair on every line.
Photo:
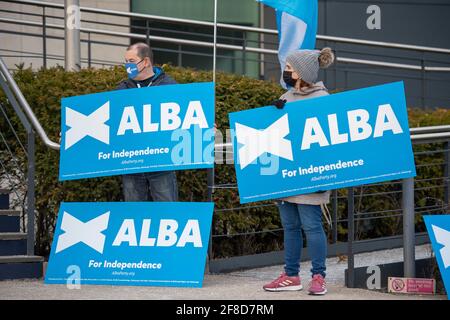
[239,285]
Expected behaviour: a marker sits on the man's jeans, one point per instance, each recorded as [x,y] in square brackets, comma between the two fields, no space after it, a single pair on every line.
[156,186]
[295,217]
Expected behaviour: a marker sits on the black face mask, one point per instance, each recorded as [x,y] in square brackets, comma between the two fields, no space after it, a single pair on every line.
[287,78]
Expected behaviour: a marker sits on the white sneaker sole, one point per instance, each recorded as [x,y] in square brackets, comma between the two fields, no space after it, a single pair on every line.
[318,293]
[290,288]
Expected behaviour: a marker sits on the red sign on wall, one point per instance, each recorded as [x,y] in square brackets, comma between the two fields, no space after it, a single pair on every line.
[411,285]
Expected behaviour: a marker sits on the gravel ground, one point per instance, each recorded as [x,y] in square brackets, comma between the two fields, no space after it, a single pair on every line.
[231,286]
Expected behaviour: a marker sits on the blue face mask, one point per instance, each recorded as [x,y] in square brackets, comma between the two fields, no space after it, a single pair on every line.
[132,69]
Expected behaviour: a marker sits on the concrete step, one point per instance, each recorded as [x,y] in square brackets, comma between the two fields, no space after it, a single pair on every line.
[9,221]
[4,199]
[13,243]
[21,267]
[9,212]
[13,236]
[20,259]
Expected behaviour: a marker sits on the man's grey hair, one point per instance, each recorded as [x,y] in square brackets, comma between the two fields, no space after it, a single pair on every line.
[143,50]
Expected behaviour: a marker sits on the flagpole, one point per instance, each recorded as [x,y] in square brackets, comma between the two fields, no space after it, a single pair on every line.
[215,42]
[210,172]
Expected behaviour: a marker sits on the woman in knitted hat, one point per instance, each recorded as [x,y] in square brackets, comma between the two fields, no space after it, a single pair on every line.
[303,211]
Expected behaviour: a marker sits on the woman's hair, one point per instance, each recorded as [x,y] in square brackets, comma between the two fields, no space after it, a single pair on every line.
[326,57]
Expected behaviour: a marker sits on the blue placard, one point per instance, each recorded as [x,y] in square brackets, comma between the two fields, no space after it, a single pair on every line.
[345,139]
[131,243]
[159,128]
[438,227]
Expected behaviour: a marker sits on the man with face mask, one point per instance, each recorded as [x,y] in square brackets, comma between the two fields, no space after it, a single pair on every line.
[157,186]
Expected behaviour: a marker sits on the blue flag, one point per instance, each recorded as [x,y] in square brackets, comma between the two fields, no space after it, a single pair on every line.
[297,26]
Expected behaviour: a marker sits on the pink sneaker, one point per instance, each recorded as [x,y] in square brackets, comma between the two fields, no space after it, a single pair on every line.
[317,286]
[284,283]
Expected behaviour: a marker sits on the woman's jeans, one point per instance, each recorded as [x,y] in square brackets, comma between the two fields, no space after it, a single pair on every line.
[294,218]
[156,186]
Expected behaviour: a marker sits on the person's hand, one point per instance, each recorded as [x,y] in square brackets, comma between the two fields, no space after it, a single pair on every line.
[279,103]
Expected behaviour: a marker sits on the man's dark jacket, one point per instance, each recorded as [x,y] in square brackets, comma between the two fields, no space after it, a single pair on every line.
[159,79]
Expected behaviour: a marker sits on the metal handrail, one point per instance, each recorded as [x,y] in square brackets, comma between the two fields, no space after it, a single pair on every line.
[11,95]
[26,107]
[225,46]
[235,27]
[441,136]
[431,129]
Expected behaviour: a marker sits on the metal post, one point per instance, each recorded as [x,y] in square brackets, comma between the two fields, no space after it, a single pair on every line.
[335,71]
[244,55]
[30,194]
[447,176]
[351,237]
[422,62]
[147,32]
[325,72]
[334,216]
[210,172]
[261,43]
[210,182]
[215,44]
[346,79]
[44,39]
[408,228]
[180,56]
[89,51]
[72,35]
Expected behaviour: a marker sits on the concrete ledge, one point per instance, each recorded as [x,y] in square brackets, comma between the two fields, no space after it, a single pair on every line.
[20,259]
[13,236]
[9,213]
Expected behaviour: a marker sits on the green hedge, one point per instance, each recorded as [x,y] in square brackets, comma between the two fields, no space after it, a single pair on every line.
[44,89]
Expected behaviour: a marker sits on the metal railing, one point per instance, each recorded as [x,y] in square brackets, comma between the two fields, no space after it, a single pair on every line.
[9,80]
[242,47]
[31,125]
[13,93]
[230,26]
[408,209]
